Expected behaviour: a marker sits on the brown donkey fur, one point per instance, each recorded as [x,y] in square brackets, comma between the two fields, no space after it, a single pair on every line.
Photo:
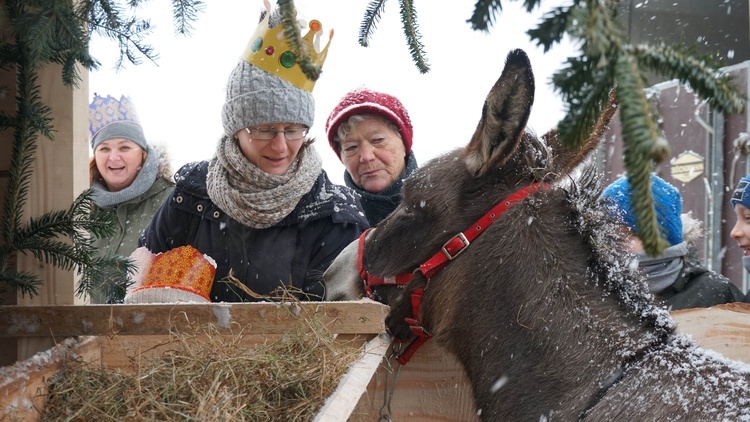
[547,315]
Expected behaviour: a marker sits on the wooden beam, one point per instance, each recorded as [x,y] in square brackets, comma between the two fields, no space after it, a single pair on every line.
[724,328]
[358,317]
[340,404]
[22,385]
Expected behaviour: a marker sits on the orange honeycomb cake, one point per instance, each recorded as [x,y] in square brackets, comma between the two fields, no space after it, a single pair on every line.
[181,274]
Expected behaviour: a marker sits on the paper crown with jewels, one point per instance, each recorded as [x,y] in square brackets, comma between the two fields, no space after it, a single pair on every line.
[269,50]
[104,111]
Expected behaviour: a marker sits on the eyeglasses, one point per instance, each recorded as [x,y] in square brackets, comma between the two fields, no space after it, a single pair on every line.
[266,134]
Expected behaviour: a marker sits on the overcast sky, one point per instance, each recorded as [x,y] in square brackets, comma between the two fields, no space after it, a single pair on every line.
[179,98]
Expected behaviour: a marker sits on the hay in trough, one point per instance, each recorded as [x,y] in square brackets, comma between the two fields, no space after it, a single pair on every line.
[209,376]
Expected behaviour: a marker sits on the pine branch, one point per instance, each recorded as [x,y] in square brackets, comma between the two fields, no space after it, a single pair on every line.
[184,13]
[109,20]
[484,14]
[584,110]
[105,277]
[409,21]
[22,154]
[369,22]
[553,27]
[54,31]
[721,94]
[294,38]
[57,253]
[641,149]
[8,55]
[22,282]
[6,121]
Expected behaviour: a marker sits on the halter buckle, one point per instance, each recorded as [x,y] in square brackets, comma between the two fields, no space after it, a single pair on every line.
[452,251]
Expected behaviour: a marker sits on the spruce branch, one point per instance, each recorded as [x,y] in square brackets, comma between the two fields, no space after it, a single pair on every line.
[372,16]
[40,33]
[409,21]
[105,277]
[294,38]
[110,20]
[484,14]
[22,282]
[640,150]
[707,83]
[184,13]
[553,27]
[584,110]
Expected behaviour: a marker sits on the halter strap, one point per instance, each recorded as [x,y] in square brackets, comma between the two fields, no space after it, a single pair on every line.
[458,243]
[371,280]
[450,250]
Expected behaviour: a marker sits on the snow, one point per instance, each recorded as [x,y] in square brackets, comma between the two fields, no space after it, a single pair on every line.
[223,315]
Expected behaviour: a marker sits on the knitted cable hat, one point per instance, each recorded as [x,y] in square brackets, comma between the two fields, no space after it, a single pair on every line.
[667,203]
[741,193]
[256,97]
[112,118]
[366,101]
[267,85]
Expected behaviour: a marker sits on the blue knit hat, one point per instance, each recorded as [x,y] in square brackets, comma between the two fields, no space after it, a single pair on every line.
[741,193]
[667,203]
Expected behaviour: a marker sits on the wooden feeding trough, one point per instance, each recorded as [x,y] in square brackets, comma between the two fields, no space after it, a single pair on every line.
[431,387]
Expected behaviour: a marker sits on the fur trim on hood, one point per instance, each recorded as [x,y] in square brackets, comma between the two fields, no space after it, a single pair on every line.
[693,232]
[165,167]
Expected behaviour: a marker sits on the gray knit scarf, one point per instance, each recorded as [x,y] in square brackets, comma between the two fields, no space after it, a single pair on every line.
[103,198]
[662,271]
[250,195]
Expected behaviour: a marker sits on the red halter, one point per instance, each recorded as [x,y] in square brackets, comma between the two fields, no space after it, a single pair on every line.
[371,280]
[450,250]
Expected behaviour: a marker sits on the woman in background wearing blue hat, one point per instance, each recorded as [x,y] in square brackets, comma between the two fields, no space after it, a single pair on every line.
[263,208]
[129,177]
[676,278]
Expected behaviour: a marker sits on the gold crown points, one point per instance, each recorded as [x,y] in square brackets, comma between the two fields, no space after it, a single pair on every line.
[269,50]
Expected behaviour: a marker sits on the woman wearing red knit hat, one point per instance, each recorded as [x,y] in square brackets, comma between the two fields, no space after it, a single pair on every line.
[371,133]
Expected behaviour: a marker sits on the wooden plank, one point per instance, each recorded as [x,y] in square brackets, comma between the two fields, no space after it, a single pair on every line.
[22,385]
[723,328]
[355,317]
[339,406]
[431,387]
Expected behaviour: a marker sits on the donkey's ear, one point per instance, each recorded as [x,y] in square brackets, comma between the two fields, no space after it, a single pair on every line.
[504,116]
[565,160]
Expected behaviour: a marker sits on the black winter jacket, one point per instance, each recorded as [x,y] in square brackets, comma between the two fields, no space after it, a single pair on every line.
[295,252]
[697,287]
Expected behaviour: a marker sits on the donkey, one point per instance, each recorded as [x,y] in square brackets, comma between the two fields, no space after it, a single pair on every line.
[546,313]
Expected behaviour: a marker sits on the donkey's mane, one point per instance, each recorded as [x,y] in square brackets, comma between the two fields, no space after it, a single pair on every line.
[615,272]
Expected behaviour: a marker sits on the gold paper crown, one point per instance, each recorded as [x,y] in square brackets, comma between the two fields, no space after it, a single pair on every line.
[269,50]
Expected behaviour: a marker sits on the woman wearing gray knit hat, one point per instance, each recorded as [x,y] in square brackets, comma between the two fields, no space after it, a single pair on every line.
[676,277]
[129,177]
[371,133]
[263,208]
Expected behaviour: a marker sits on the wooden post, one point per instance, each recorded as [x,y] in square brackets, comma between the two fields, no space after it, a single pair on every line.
[7,106]
[60,174]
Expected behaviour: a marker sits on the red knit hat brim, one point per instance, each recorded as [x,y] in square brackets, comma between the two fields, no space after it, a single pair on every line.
[365,101]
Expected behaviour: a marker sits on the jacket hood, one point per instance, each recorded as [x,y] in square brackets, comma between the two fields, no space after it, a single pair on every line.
[165,166]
